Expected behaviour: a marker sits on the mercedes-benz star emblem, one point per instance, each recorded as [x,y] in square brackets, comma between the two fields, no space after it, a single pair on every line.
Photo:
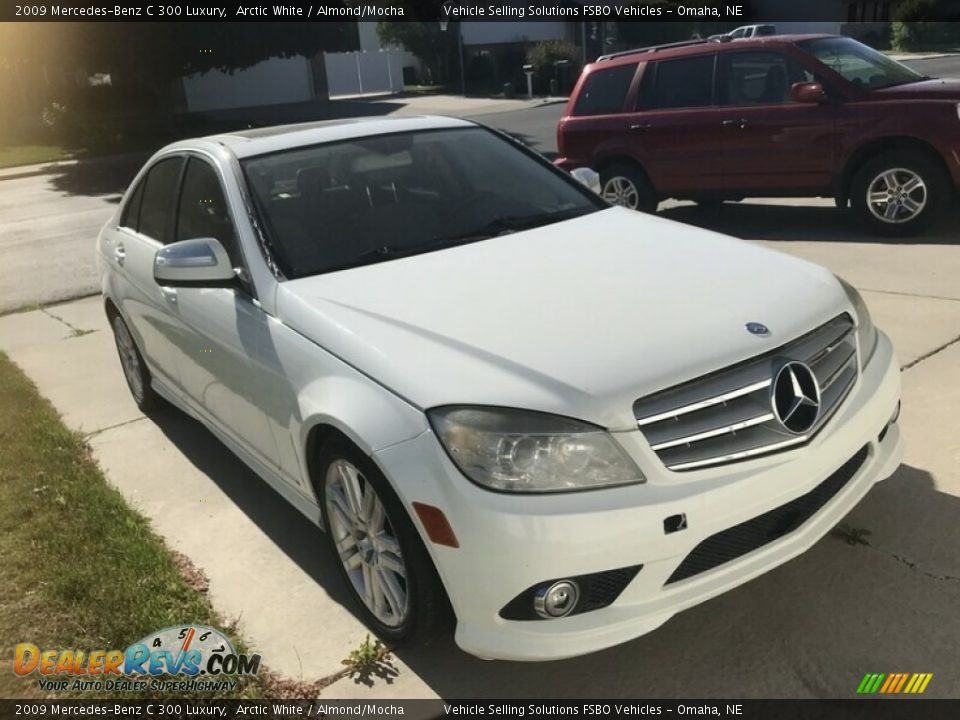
[795,397]
[755,328]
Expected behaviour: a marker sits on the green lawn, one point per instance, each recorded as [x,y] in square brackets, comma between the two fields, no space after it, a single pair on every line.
[13,155]
[80,568]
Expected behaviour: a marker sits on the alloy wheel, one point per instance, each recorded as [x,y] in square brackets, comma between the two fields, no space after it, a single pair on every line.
[366,543]
[897,196]
[621,191]
[129,359]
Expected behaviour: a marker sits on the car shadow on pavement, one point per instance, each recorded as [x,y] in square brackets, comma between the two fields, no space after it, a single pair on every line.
[819,223]
[810,628]
[297,537]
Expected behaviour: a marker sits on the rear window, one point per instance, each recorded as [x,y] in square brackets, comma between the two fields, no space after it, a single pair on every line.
[681,83]
[605,91]
[160,199]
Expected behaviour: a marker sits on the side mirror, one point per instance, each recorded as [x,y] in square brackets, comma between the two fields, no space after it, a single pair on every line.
[588,177]
[202,262]
[808,92]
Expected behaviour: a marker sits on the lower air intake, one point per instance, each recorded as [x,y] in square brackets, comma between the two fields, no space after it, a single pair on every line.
[748,536]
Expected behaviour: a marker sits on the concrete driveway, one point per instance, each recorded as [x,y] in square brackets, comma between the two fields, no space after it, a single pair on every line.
[808,629]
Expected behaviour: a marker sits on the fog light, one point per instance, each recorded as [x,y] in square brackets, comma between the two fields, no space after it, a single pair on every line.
[557,600]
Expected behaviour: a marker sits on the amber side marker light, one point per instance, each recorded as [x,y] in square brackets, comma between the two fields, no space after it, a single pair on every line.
[436,524]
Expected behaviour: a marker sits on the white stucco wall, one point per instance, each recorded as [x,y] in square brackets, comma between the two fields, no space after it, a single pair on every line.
[271,82]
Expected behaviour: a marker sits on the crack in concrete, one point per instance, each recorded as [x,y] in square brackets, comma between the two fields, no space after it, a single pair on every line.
[916,566]
[909,294]
[113,427]
[77,332]
[927,356]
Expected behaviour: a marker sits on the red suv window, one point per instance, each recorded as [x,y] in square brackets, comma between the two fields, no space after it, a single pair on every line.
[681,83]
[605,91]
[759,77]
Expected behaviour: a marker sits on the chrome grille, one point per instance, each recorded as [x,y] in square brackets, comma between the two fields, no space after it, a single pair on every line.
[727,416]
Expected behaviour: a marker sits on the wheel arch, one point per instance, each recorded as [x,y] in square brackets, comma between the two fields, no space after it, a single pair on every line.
[110,308]
[878,146]
[608,161]
[358,412]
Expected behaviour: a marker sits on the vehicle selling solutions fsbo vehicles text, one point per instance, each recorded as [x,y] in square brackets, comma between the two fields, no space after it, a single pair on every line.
[461,12]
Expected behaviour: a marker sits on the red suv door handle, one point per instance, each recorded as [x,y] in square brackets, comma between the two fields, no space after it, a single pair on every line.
[741,123]
[640,126]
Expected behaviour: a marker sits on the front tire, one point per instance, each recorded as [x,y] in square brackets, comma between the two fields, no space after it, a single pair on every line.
[626,185]
[377,548]
[135,370]
[899,193]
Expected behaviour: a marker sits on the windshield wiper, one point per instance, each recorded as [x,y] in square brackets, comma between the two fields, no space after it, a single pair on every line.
[388,252]
[515,223]
[497,226]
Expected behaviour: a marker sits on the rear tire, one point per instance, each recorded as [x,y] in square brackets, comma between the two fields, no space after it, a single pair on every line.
[135,370]
[626,185]
[377,548]
[899,193]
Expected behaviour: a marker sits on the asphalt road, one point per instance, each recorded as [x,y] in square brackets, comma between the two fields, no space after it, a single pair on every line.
[538,127]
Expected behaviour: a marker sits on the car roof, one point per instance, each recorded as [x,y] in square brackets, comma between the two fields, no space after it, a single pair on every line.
[264,140]
[665,52]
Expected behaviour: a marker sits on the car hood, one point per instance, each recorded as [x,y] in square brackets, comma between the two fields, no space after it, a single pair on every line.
[578,318]
[934,89]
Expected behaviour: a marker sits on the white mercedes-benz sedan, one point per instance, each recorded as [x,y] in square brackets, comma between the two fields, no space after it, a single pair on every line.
[508,404]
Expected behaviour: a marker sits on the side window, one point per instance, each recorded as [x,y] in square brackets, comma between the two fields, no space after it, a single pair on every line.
[684,83]
[131,212]
[605,91]
[160,200]
[203,208]
[759,77]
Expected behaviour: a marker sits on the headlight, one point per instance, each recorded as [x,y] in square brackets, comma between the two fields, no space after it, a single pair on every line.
[529,452]
[866,331]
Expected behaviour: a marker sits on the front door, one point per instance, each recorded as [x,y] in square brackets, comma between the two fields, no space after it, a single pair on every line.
[228,370]
[771,143]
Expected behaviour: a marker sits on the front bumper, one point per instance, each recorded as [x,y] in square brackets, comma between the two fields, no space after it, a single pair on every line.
[509,543]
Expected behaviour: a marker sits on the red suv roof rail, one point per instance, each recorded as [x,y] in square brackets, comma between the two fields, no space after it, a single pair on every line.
[658,48]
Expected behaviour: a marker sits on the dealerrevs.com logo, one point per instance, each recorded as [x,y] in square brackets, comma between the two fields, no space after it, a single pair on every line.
[203,657]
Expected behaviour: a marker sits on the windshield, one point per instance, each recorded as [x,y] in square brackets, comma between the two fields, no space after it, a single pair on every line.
[861,65]
[376,198]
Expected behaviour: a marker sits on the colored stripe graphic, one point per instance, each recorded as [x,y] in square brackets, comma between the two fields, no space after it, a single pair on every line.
[894,683]
[903,680]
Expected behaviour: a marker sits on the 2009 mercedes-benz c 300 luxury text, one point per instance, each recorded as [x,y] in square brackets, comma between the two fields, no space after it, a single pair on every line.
[498,395]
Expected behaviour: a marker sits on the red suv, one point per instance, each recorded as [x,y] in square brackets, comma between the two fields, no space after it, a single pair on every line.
[783,116]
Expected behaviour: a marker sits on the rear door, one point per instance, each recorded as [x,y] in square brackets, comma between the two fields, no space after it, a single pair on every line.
[771,143]
[676,130]
[146,224]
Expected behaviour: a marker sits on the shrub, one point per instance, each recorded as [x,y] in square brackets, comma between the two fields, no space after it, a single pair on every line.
[544,57]
[915,26]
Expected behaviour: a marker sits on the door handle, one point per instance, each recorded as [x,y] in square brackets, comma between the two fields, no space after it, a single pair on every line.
[640,126]
[741,123]
[169,294]
[119,254]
